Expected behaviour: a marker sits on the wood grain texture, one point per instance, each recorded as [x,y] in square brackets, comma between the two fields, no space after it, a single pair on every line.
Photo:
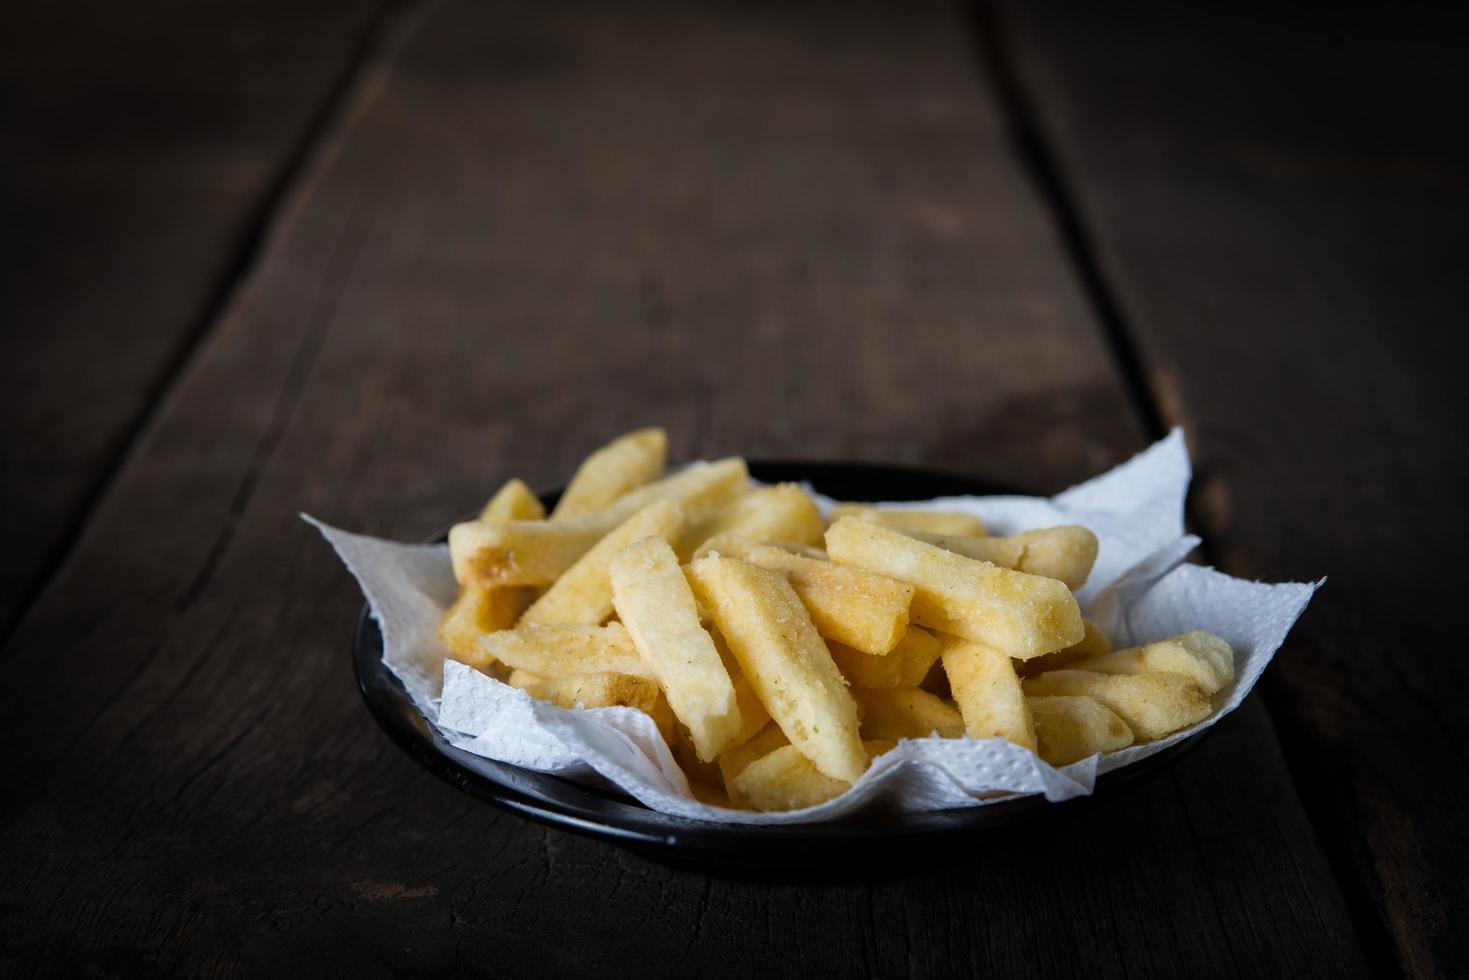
[1281,209]
[777,232]
[140,146]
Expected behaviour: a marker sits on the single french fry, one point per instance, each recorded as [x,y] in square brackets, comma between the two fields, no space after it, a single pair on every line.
[1153,705]
[785,780]
[477,611]
[778,649]
[702,489]
[584,593]
[988,692]
[513,502]
[610,473]
[783,513]
[566,650]
[1071,728]
[866,611]
[905,665]
[923,521]
[733,761]
[600,690]
[907,712]
[1022,615]
[518,552]
[1094,644]
[1066,553]
[1202,657]
[656,605]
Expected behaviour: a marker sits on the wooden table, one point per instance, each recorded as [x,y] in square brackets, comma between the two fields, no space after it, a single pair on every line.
[369,259]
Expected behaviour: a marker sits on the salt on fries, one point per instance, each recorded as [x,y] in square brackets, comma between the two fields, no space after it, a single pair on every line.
[779,652]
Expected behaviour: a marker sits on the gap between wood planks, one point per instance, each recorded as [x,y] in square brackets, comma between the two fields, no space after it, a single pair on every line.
[1039,163]
[391,22]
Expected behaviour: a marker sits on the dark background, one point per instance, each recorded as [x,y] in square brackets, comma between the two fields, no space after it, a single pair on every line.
[369,259]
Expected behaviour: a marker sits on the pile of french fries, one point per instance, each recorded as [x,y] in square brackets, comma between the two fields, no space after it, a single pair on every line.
[779,652]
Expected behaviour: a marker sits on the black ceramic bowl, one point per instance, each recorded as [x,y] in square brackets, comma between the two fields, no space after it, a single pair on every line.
[615,817]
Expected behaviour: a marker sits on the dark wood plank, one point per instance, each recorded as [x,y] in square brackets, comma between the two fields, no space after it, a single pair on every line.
[140,148]
[777,232]
[1281,206]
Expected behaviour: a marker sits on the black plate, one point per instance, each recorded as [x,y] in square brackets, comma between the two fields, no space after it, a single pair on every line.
[615,817]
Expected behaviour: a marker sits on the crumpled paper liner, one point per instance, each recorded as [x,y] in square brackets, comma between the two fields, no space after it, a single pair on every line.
[1139,591]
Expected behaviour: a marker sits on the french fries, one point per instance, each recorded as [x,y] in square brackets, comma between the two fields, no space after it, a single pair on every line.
[513,502]
[779,650]
[922,521]
[657,608]
[734,761]
[1066,553]
[477,611]
[1070,728]
[563,651]
[1201,657]
[518,552]
[1153,705]
[1094,644]
[905,665]
[788,780]
[601,690]
[852,606]
[1023,615]
[703,490]
[775,670]
[988,691]
[907,712]
[783,513]
[610,473]
[583,594]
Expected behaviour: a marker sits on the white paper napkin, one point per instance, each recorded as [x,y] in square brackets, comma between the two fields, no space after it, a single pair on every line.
[1139,591]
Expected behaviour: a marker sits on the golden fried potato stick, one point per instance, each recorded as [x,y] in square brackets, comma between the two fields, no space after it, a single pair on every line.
[1071,728]
[1094,644]
[922,521]
[657,607]
[787,780]
[907,712]
[703,490]
[783,513]
[1201,657]
[779,650]
[988,692]
[1153,705]
[477,611]
[565,650]
[905,665]
[610,473]
[866,611]
[1066,553]
[584,593]
[1022,615]
[518,552]
[513,502]
[733,761]
[601,690]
